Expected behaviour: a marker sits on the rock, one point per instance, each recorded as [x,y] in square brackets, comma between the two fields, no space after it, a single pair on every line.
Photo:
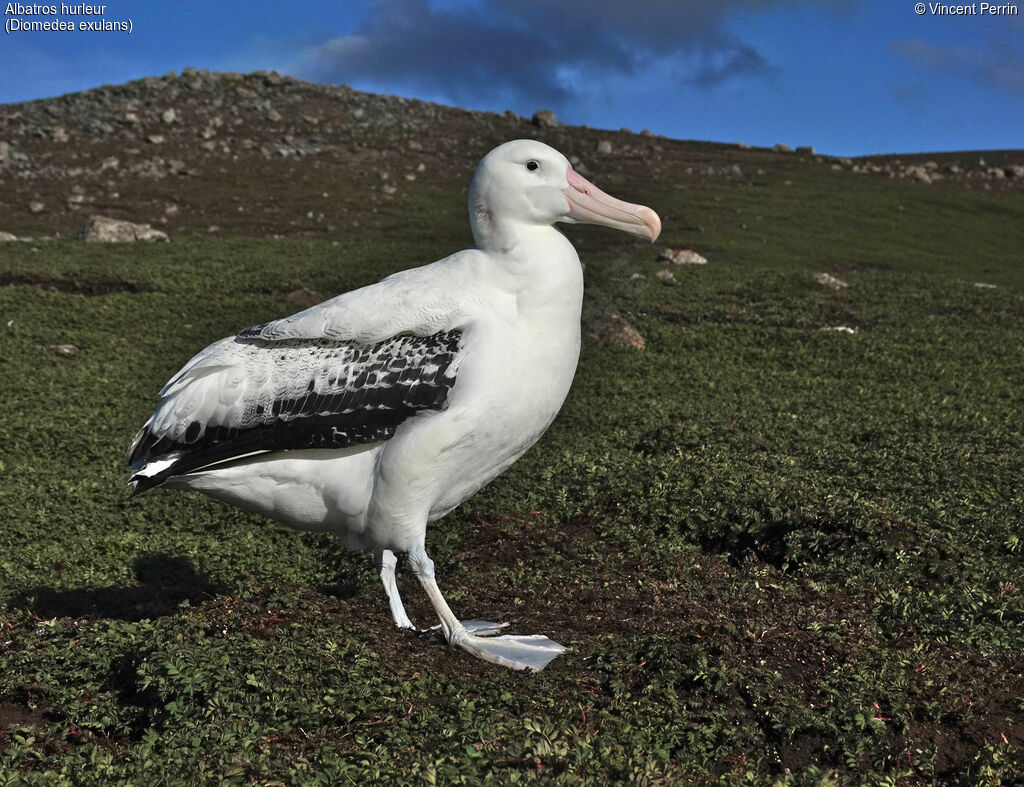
[782,148]
[545,118]
[303,297]
[918,173]
[6,237]
[1014,171]
[35,206]
[743,146]
[666,276]
[805,150]
[981,285]
[101,229]
[155,139]
[682,257]
[168,116]
[5,151]
[841,329]
[273,116]
[830,281]
[65,350]
[614,329]
[604,147]
[646,133]
[59,134]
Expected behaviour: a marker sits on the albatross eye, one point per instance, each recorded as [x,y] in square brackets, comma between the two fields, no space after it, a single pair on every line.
[532,165]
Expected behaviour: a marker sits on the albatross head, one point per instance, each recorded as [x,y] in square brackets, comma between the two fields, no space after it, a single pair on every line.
[525,182]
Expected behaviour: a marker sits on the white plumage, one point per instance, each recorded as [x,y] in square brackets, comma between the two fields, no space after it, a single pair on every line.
[384,408]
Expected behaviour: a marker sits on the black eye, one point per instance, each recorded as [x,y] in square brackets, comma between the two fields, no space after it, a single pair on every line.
[532,165]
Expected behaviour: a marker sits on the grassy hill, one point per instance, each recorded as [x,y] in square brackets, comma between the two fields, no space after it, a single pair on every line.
[779,551]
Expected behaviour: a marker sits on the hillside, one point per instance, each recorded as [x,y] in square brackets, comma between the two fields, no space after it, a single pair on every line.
[782,541]
[263,154]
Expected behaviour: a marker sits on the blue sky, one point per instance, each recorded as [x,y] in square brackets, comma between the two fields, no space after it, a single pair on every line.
[849,77]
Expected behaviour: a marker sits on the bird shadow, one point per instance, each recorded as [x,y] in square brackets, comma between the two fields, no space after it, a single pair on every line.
[164,582]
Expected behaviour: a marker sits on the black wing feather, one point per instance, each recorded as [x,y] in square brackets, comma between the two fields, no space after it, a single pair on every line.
[362,397]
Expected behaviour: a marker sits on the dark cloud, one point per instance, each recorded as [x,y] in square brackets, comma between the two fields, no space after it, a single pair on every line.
[999,65]
[525,48]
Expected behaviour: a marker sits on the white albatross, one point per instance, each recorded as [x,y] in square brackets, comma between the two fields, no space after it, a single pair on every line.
[380,410]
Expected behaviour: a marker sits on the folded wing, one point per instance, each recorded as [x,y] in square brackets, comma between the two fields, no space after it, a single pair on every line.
[245,395]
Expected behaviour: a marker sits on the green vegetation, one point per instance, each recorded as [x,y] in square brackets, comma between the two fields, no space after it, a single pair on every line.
[778,553]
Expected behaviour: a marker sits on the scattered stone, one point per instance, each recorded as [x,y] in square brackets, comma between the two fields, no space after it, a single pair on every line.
[273,116]
[304,297]
[604,148]
[783,148]
[101,229]
[168,116]
[5,151]
[682,257]
[839,329]
[156,139]
[743,146]
[64,350]
[985,286]
[35,206]
[1014,171]
[917,173]
[614,329]
[110,162]
[545,118]
[625,130]
[805,150]
[6,237]
[665,276]
[830,281]
[646,133]
[59,134]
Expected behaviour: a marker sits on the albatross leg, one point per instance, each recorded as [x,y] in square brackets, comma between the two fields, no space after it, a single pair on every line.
[385,561]
[516,652]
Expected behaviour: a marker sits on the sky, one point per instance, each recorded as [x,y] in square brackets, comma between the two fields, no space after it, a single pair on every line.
[850,77]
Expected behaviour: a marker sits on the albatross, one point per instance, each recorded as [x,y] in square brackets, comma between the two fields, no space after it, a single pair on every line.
[378,411]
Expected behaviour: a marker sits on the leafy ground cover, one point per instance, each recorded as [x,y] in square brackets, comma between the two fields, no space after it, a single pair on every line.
[779,552]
